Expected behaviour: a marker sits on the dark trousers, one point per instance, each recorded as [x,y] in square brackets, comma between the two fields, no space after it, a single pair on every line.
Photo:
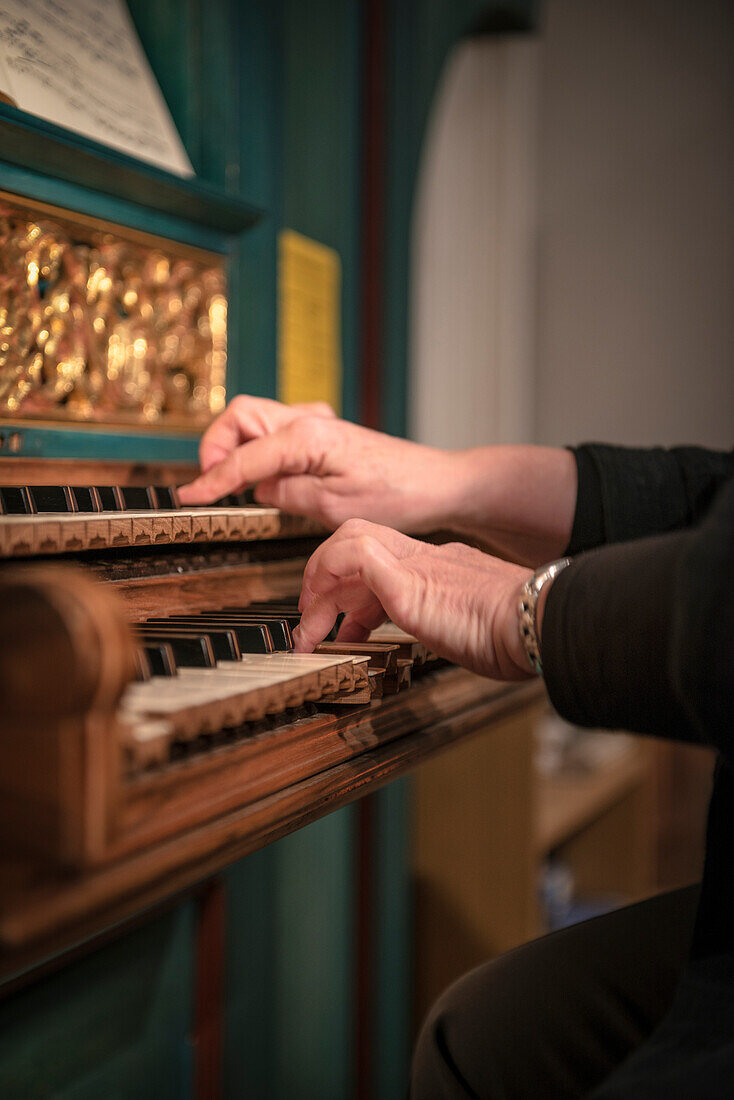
[555,1017]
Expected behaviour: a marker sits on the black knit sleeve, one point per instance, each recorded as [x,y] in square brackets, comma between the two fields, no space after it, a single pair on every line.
[638,635]
[627,493]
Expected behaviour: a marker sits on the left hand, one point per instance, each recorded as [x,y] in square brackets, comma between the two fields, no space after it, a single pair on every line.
[461,603]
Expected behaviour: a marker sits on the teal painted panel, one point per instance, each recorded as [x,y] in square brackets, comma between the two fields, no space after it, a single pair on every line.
[315,937]
[115,1024]
[71,196]
[258,36]
[392,948]
[250,1048]
[289,966]
[33,144]
[321,141]
[85,443]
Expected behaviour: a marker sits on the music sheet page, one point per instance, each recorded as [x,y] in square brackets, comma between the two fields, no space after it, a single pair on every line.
[80,64]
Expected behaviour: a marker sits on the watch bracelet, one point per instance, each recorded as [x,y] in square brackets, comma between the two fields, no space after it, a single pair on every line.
[527,610]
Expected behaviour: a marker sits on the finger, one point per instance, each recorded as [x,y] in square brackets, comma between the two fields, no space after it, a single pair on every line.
[220,439]
[358,625]
[266,457]
[301,495]
[401,546]
[353,631]
[364,558]
[244,418]
[316,622]
[248,418]
[349,595]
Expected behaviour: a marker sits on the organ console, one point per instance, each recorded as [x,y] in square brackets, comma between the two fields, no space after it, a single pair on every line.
[156,724]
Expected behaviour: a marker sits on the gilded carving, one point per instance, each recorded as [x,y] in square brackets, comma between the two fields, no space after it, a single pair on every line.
[102,326]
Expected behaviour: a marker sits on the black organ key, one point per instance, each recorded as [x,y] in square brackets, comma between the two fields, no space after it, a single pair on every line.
[51,498]
[286,609]
[137,498]
[86,498]
[251,637]
[143,670]
[160,657]
[225,646]
[110,498]
[166,497]
[189,650]
[279,628]
[15,501]
[290,615]
[244,499]
[289,603]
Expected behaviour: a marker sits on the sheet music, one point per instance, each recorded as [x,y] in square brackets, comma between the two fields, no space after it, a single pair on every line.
[80,64]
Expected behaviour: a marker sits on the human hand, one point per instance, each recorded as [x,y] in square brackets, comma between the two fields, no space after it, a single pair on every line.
[461,603]
[306,461]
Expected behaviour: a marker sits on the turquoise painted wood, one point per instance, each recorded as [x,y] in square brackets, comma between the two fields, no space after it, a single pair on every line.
[289,1018]
[74,442]
[391,948]
[115,1024]
[31,143]
[321,141]
[253,286]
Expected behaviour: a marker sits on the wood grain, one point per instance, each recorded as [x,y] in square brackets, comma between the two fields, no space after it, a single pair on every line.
[78,471]
[40,907]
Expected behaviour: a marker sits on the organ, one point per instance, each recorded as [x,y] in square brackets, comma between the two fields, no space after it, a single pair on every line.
[133,304]
[156,724]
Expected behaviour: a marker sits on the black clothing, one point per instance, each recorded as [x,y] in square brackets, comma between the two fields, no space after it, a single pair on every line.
[638,634]
[552,1019]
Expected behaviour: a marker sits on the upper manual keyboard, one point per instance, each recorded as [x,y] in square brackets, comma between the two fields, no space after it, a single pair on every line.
[59,519]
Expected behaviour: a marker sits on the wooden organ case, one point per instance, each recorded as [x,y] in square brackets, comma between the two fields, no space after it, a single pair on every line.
[155,725]
[108,804]
[133,303]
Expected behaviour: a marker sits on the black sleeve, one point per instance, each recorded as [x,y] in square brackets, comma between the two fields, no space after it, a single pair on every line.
[640,635]
[627,493]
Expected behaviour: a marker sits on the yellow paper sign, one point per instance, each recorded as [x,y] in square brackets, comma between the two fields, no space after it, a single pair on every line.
[309,337]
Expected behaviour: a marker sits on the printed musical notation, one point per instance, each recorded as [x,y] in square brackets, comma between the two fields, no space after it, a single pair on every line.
[79,64]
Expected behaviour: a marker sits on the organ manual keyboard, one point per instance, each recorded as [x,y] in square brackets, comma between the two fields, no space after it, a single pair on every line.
[155,723]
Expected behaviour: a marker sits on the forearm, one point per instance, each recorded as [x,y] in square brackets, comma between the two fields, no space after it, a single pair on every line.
[518,500]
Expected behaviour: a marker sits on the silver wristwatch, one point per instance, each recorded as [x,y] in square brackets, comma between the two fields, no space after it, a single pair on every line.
[527,608]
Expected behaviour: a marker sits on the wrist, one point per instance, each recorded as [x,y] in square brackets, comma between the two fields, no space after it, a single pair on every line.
[509,650]
[530,610]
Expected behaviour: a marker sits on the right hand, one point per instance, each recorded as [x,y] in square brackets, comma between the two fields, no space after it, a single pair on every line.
[304,460]
[461,603]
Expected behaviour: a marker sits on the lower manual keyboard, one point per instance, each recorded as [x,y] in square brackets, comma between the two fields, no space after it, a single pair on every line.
[162,712]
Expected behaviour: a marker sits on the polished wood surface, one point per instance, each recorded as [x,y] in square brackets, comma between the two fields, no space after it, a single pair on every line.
[80,471]
[97,818]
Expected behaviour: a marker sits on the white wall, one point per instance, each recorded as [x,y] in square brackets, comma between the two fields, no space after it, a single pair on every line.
[474,234]
[636,259]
